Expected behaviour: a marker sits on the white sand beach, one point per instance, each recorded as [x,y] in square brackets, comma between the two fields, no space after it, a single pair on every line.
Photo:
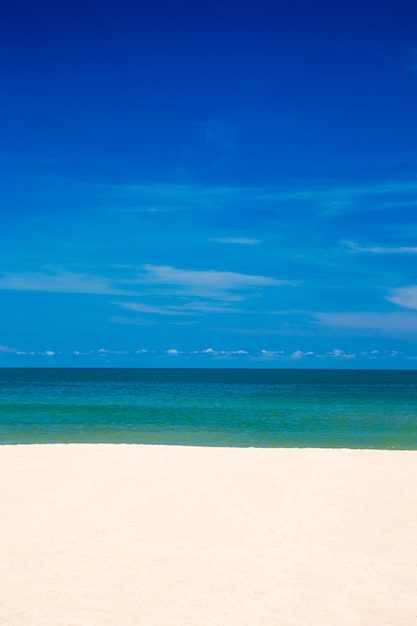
[157,535]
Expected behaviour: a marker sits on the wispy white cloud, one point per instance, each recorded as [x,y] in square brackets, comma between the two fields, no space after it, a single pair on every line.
[356,248]
[8,349]
[60,281]
[259,331]
[236,240]
[404,296]
[132,321]
[176,196]
[187,309]
[155,310]
[213,284]
[171,197]
[208,307]
[390,323]
[207,283]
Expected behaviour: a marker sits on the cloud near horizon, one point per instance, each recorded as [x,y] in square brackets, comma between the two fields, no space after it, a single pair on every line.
[258,356]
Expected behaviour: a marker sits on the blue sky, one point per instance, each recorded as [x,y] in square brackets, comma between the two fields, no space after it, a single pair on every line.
[209,184]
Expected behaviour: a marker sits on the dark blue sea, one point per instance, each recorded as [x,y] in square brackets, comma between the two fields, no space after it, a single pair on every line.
[223,407]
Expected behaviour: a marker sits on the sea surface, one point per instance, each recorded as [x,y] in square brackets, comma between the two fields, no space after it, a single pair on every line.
[220,407]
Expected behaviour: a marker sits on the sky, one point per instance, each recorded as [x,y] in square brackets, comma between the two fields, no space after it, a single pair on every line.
[199,184]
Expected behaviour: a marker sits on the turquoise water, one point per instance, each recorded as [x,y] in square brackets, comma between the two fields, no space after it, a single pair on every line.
[264,408]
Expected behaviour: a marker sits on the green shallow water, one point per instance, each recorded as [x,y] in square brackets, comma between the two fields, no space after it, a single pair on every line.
[262,408]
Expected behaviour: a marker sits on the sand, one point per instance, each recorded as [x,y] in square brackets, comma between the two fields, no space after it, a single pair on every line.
[132,535]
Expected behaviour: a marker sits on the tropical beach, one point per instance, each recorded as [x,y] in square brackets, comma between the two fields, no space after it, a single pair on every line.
[159,535]
[208,314]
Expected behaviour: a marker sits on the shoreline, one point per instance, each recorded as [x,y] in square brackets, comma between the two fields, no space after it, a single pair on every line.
[201,447]
[126,534]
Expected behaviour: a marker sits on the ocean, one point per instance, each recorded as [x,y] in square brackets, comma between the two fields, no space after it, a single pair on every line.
[210,407]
